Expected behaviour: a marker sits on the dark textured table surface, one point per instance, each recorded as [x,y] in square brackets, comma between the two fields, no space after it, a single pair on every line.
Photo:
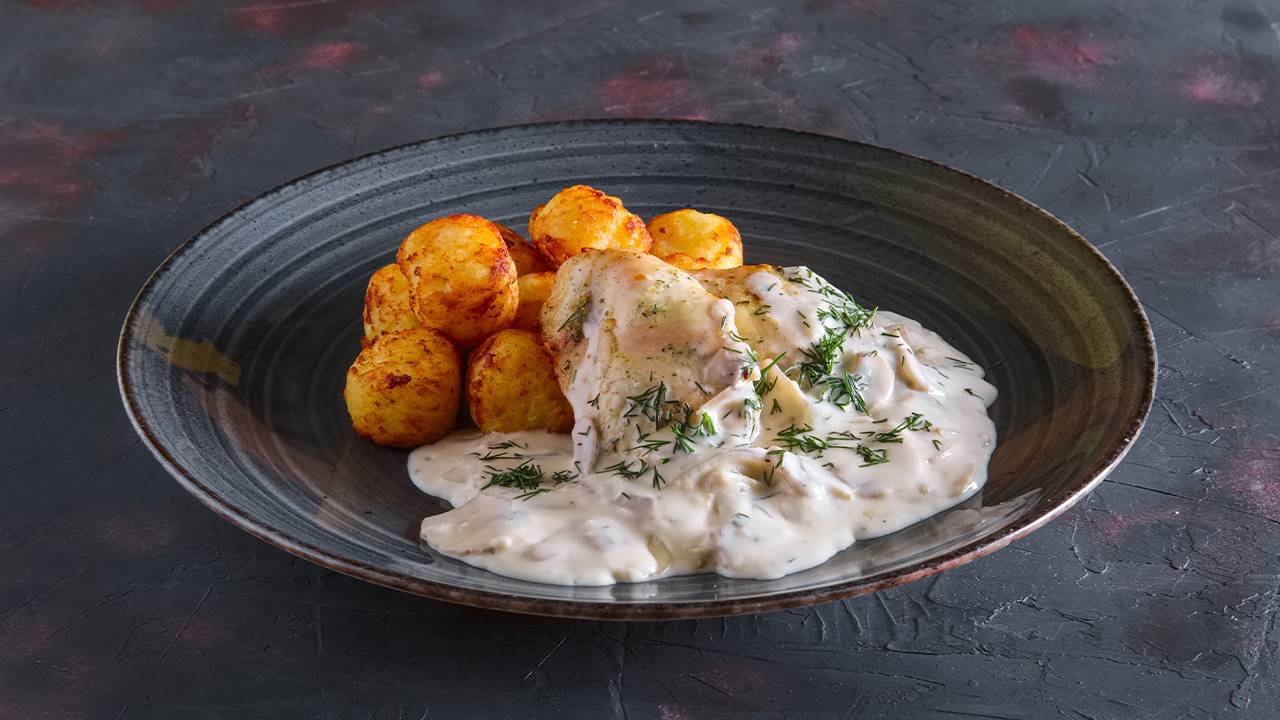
[1147,125]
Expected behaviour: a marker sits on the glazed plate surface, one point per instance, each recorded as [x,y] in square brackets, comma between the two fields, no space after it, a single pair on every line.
[232,359]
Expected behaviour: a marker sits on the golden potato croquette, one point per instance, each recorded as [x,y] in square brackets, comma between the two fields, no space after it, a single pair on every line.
[582,218]
[526,257]
[693,240]
[386,304]
[535,288]
[461,276]
[511,386]
[403,390]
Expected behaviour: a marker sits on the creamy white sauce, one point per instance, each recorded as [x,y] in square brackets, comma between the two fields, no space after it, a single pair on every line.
[741,503]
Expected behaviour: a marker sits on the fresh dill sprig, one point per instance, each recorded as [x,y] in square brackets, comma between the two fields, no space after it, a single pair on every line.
[683,441]
[492,456]
[801,438]
[914,422]
[561,477]
[526,476]
[773,466]
[579,315]
[872,457]
[644,442]
[847,314]
[624,469]
[842,391]
[764,384]
[651,404]
[820,358]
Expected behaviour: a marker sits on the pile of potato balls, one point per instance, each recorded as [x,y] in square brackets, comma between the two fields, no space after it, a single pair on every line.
[464,285]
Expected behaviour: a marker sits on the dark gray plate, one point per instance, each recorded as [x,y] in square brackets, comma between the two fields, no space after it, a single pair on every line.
[232,359]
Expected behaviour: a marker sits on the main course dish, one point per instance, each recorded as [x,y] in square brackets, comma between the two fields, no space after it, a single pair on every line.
[618,401]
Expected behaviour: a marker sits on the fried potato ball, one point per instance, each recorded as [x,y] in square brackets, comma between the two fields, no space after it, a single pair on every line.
[462,277]
[403,390]
[511,386]
[693,240]
[386,304]
[527,259]
[535,288]
[581,218]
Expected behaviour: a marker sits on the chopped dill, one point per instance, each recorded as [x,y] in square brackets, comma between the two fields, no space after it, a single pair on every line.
[651,404]
[533,493]
[773,466]
[683,441]
[624,470]
[842,391]
[643,442]
[764,384]
[820,358]
[872,457]
[914,422]
[526,476]
[573,323]
[801,438]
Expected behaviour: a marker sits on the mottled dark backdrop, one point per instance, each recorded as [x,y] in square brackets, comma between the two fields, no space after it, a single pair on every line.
[125,125]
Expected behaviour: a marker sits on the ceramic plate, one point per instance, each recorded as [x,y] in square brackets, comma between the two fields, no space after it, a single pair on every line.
[232,358]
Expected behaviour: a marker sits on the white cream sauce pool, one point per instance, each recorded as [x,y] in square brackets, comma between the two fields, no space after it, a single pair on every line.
[773,484]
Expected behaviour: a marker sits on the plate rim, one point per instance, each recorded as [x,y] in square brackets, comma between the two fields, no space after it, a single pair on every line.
[624,609]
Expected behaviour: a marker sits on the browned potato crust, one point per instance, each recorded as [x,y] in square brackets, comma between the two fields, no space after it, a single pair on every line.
[403,390]
[525,256]
[693,240]
[462,277]
[511,386]
[534,290]
[386,304]
[581,218]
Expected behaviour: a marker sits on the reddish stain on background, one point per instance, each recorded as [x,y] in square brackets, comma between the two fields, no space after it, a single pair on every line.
[1112,529]
[149,4]
[132,536]
[324,56]
[291,18]
[1244,249]
[40,166]
[429,80]
[1222,80]
[1251,479]
[656,88]
[768,55]
[1068,54]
